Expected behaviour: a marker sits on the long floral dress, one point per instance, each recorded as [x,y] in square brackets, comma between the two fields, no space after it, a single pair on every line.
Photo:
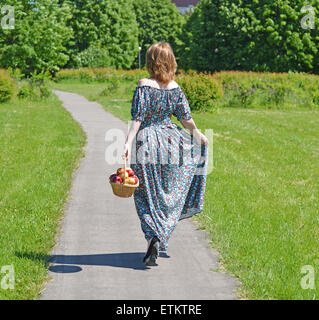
[170,164]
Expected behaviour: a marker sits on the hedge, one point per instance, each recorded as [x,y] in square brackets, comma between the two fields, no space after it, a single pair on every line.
[207,92]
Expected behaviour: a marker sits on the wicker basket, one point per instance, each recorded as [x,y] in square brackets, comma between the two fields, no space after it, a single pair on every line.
[121,189]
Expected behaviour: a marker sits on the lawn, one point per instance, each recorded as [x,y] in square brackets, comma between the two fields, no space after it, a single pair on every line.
[261,206]
[40,146]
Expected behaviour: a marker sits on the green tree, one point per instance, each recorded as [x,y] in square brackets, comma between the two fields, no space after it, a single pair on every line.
[93,57]
[108,25]
[254,35]
[38,40]
[158,20]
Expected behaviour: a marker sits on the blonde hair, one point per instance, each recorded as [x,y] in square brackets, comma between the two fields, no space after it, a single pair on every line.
[160,62]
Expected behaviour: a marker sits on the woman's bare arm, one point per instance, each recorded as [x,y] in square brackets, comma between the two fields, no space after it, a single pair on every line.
[135,125]
[189,124]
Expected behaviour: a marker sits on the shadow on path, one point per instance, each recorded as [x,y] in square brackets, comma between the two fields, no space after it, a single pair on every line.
[68,263]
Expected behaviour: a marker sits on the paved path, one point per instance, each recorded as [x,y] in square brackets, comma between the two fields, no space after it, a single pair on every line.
[101,245]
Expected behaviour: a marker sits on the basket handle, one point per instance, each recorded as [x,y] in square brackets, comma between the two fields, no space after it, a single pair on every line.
[124,157]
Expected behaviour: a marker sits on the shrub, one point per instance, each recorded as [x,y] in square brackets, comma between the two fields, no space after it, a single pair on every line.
[86,75]
[15,74]
[99,74]
[222,89]
[66,74]
[7,86]
[35,88]
[31,91]
[269,90]
[27,91]
[94,56]
[201,90]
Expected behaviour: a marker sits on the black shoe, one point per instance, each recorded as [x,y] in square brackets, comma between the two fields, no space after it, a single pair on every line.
[152,252]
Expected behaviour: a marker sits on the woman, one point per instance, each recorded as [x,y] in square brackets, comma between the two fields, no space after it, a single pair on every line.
[172,182]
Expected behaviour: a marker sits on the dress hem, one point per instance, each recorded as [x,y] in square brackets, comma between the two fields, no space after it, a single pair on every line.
[190,214]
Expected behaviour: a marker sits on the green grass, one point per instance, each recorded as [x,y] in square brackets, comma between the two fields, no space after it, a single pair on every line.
[262,198]
[40,145]
[261,205]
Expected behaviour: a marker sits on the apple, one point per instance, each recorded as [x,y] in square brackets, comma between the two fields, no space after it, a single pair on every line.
[131,180]
[135,179]
[117,179]
[112,176]
[124,176]
[120,171]
[130,172]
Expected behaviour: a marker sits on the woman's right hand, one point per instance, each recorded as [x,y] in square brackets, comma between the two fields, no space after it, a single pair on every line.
[204,140]
[200,138]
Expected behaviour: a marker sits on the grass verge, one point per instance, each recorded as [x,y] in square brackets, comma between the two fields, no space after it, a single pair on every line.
[40,145]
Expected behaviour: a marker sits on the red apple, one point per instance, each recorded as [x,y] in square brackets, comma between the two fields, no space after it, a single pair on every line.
[135,179]
[117,179]
[112,176]
[120,171]
[130,172]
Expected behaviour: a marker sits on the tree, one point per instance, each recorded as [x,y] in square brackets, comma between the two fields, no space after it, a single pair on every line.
[93,57]
[106,24]
[158,20]
[256,35]
[38,40]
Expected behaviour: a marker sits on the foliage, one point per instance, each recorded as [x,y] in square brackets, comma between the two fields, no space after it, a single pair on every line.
[109,25]
[201,90]
[15,74]
[34,88]
[268,90]
[222,89]
[98,74]
[250,35]
[38,40]
[7,86]
[158,20]
[92,57]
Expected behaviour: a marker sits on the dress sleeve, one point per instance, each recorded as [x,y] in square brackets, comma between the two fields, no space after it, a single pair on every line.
[182,110]
[138,104]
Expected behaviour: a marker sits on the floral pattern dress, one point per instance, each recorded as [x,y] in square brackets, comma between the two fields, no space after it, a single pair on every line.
[169,162]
